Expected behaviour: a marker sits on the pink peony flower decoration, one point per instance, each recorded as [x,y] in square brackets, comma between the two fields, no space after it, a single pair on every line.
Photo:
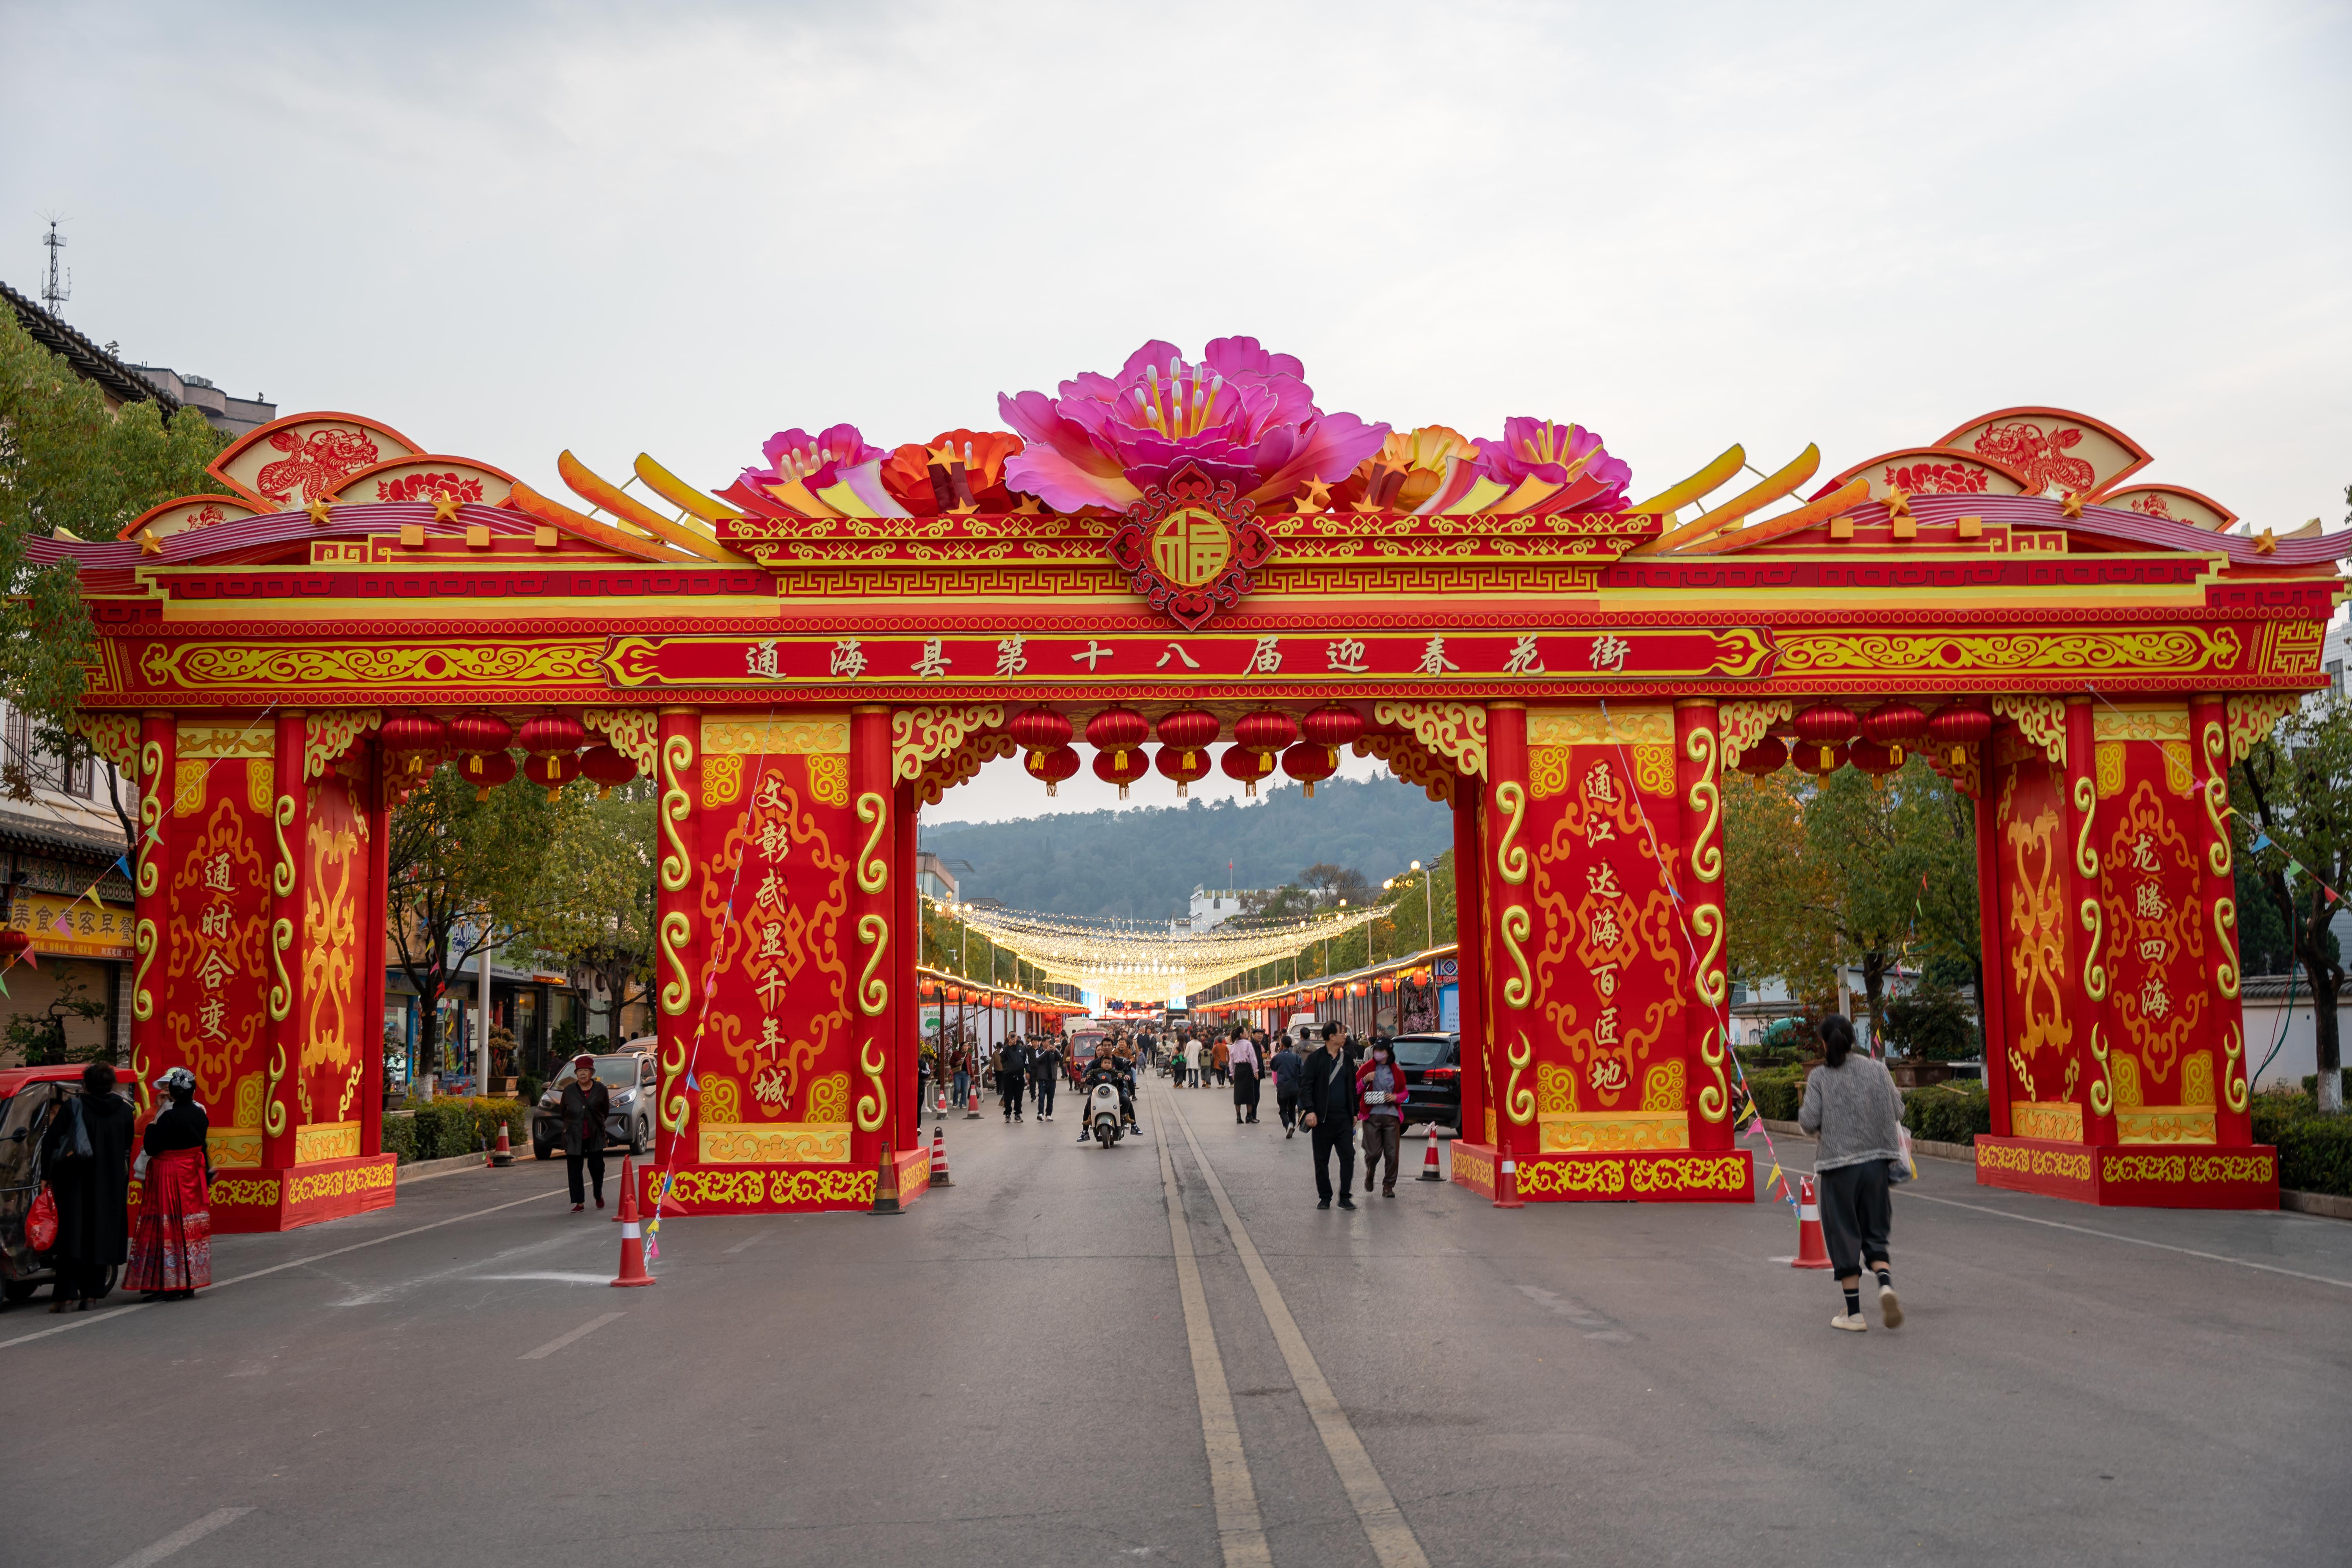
[1553,468]
[1241,414]
[836,469]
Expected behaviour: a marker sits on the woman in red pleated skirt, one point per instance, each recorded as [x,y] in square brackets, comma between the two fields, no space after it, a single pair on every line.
[171,1238]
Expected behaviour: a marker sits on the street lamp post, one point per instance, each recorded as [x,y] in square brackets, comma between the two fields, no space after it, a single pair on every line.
[1428,906]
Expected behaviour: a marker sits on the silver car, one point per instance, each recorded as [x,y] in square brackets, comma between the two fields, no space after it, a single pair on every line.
[633,1083]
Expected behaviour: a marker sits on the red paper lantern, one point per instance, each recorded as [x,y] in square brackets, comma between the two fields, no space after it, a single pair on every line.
[1956,728]
[1121,768]
[1247,767]
[1037,729]
[1766,756]
[13,942]
[1819,761]
[1118,732]
[1053,766]
[551,770]
[1896,723]
[608,767]
[1186,768]
[415,741]
[478,733]
[1827,724]
[1190,730]
[1309,764]
[1874,758]
[1267,729]
[497,768]
[1333,726]
[552,733]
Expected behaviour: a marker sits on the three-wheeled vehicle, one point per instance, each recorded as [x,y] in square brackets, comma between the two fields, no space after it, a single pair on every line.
[29,1096]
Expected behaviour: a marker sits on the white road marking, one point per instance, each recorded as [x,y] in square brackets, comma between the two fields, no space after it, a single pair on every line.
[1239,1532]
[755,1236]
[81,1321]
[186,1536]
[560,1341]
[1904,1191]
[1392,1539]
[560,1277]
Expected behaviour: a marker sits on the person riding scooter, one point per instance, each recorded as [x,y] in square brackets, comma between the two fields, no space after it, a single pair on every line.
[1108,1068]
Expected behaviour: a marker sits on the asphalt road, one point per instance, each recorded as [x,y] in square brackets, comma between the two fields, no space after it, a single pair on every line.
[1010,1375]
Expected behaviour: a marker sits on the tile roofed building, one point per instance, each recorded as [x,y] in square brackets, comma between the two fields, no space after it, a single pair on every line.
[123,382]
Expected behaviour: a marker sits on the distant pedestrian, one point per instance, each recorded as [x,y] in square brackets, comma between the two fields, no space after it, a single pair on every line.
[1331,1105]
[1242,1058]
[1044,1067]
[1853,1107]
[172,1241]
[86,1155]
[1381,1095]
[584,1107]
[1179,1064]
[962,1059]
[1012,1078]
[1290,1080]
[1219,1057]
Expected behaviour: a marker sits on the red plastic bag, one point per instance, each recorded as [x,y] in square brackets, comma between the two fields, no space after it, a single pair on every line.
[41,1224]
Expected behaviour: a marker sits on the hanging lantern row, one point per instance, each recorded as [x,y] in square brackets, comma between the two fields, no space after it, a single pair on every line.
[1263,740]
[1829,736]
[416,743]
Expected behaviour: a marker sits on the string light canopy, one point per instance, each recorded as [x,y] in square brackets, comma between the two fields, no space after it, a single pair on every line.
[1128,958]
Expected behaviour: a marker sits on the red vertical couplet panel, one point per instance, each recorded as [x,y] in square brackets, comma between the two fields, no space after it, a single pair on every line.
[336,859]
[2209,744]
[906,952]
[1993,966]
[1697,878]
[2092,973]
[370,957]
[281,956]
[1469,936]
[1509,937]
[678,942]
[873,970]
[158,768]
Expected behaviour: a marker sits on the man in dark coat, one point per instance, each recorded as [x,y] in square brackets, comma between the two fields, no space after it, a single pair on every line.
[1330,1103]
[586,1104]
[1289,1078]
[1012,1076]
[92,1190]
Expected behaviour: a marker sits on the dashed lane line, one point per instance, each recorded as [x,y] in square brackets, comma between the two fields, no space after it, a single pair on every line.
[187,1535]
[83,1321]
[560,1341]
[1392,1539]
[1239,1532]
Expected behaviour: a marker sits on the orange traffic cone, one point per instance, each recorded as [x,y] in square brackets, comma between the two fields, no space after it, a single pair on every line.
[1810,1253]
[1429,1170]
[633,1246]
[1507,1178]
[502,1155]
[940,1177]
[972,1111]
[886,1185]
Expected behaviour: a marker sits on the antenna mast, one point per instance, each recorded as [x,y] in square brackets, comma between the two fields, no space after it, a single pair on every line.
[54,292]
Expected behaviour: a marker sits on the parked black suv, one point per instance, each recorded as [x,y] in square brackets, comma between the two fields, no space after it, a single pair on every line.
[1432,1076]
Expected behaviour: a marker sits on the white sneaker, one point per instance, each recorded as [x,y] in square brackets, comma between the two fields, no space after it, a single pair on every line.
[1850,1321]
[1889,1307]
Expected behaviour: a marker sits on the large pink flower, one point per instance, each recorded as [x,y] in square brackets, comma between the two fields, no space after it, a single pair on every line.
[1561,467]
[1241,414]
[802,467]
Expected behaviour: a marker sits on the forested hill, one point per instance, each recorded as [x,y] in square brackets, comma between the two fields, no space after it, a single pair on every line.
[1145,862]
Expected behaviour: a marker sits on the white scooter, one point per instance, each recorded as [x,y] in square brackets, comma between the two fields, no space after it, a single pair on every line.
[1102,1114]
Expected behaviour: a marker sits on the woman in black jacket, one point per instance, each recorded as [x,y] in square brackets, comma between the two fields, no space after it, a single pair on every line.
[586,1105]
[172,1244]
[86,1155]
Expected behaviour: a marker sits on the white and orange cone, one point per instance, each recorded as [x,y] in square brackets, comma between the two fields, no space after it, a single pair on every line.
[633,1246]
[940,1177]
[1811,1251]
[1429,1170]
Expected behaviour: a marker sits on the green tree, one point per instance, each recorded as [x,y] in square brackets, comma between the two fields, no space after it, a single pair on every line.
[39,1039]
[1852,869]
[70,470]
[2292,795]
[592,906]
[464,877]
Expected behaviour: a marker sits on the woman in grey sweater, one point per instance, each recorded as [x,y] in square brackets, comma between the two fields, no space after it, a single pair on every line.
[1852,1106]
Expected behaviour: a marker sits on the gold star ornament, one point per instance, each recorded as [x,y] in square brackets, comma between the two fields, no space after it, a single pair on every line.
[2073,505]
[320,513]
[1898,502]
[445,506]
[148,544]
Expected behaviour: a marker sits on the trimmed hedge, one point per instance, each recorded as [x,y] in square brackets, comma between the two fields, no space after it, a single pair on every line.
[441,1128]
[1948,1112]
[2315,1151]
[1779,1091]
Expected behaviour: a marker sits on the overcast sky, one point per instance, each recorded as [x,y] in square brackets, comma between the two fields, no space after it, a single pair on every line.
[508,230]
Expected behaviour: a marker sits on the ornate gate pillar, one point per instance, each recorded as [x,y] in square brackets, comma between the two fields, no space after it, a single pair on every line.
[872,969]
[1470,970]
[678,942]
[1508,932]
[1697,880]
[158,767]
[1992,942]
[2091,972]
[376,892]
[281,958]
[2209,752]
[905,956]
